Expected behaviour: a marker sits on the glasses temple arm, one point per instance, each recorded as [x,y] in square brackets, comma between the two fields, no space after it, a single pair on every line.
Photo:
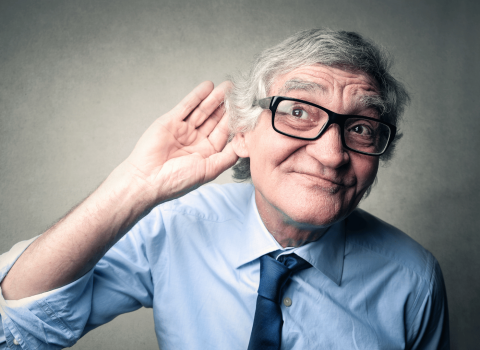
[264,103]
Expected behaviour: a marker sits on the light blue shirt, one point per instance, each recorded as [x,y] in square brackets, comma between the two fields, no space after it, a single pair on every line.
[195,261]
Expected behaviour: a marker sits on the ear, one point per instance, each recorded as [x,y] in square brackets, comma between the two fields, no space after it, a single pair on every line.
[239,145]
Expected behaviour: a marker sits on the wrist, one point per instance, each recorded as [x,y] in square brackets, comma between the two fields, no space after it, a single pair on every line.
[132,195]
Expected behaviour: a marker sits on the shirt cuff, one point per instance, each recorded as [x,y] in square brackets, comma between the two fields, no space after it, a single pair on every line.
[43,321]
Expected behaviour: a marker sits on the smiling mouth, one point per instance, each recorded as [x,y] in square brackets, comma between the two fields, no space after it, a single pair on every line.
[331,186]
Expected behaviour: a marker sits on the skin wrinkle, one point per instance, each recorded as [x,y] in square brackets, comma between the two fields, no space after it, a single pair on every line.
[290,242]
[297,84]
[303,187]
[333,50]
[349,88]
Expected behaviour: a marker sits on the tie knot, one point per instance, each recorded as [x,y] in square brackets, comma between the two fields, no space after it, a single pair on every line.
[294,262]
[274,274]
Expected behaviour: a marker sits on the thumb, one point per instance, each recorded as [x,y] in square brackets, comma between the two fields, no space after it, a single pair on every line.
[219,162]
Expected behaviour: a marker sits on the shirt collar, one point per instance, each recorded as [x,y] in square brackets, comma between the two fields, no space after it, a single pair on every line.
[326,254]
[255,238]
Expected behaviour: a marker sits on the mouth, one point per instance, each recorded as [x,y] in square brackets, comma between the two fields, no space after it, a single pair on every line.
[330,184]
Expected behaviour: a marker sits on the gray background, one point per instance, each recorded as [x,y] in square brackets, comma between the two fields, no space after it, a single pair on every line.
[81,80]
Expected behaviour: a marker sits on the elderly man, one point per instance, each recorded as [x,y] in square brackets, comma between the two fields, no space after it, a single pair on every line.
[285,261]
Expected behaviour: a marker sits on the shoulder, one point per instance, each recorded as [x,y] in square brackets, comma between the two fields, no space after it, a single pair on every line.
[369,233]
[190,222]
[212,202]
[406,276]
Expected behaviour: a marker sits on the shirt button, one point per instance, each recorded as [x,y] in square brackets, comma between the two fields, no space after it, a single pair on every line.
[287,302]
[15,342]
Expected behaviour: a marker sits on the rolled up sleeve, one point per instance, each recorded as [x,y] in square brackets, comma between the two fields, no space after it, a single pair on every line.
[119,283]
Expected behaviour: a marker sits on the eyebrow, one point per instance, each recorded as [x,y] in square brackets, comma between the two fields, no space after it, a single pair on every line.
[374,101]
[370,101]
[296,84]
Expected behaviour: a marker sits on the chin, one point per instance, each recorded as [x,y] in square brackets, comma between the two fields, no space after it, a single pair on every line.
[318,221]
[308,214]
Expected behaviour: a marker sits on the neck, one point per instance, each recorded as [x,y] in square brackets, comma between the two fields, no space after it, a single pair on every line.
[286,231]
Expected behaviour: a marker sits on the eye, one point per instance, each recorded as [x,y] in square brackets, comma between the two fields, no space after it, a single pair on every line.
[299,113]
[361,130]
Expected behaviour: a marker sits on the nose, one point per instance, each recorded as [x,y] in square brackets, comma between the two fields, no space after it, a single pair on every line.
[328,149]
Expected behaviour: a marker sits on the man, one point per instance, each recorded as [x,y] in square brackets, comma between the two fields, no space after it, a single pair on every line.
[310,123]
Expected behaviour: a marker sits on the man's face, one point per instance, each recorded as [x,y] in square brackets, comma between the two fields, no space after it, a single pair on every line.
[308,184]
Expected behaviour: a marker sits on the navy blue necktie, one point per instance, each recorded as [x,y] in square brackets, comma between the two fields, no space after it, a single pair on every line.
[268,321]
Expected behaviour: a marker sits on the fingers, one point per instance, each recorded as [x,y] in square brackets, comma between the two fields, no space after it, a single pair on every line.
[213,121]
[219,162]
[219,135]
[205,114]
[192,100]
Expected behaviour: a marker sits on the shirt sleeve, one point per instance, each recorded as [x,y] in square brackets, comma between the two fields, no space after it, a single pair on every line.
[120,282]
[430,329]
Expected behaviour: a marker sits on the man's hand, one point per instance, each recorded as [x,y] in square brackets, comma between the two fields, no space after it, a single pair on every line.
[186,147]
[179,152]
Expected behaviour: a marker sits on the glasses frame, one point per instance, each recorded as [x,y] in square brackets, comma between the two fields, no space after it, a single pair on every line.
[272,103]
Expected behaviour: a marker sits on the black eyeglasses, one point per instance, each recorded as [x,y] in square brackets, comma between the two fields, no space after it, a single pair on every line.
[307,121]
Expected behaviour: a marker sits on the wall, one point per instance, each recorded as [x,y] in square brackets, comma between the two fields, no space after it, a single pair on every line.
[81,80]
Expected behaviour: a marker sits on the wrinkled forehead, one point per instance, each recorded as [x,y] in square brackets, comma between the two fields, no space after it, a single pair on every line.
[319,81]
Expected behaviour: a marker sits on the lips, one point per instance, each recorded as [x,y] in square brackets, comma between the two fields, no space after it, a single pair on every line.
[328,180]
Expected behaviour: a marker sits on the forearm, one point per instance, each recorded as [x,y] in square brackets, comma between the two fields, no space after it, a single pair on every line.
[176,154]
[77,242]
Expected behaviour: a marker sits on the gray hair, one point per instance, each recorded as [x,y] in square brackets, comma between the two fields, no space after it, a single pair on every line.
[341,49]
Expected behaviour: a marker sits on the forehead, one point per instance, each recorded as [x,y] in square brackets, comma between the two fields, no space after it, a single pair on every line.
[327,81]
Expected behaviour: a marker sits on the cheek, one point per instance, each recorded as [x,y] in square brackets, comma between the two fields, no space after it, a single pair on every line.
[267,148]
[273,154]
[366,168]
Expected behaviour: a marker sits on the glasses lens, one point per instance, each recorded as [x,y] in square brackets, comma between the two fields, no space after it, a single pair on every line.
[366,135]
[299,119]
